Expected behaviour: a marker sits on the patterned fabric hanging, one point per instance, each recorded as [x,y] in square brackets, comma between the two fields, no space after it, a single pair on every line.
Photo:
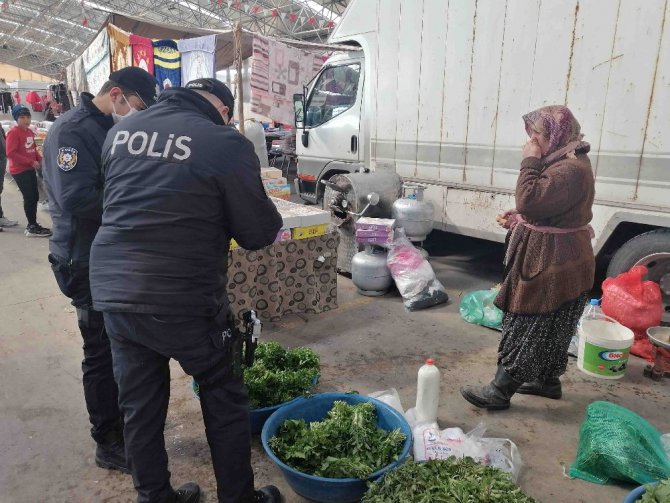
[143,53]
[119,43]
[197,57]
[167,63]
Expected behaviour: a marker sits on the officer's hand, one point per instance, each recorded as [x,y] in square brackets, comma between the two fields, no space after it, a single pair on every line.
[36,165]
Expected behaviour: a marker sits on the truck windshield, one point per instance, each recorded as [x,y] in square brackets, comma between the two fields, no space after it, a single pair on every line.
[334,92]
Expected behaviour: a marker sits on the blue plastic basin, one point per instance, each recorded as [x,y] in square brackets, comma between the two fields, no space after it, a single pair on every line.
[315,408]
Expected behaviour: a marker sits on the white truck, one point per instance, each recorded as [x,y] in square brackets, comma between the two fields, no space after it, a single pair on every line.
[436,93]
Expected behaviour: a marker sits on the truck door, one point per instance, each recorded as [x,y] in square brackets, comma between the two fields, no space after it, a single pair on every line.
[332,118]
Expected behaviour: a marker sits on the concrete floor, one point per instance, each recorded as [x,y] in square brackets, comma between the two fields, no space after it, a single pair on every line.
[368,344]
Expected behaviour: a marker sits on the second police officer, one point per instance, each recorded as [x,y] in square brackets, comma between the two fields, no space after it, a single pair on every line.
[73,176]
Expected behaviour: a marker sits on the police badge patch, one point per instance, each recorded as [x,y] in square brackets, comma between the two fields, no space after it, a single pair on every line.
[67,158]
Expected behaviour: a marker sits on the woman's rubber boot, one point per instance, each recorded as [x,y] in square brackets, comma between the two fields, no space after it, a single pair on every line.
[495,395]
[549,388]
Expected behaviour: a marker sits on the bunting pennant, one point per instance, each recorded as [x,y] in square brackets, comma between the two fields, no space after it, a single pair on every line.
[255,9]
[312,21]
[275,13]
[293,18]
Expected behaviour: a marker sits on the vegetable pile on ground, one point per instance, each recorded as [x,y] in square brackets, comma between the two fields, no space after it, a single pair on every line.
[457,480]
[659,493]
[346,444]
[279,375]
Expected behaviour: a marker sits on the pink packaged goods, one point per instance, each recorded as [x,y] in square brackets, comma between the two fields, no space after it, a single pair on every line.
[373,234]
[375,240]
[380,225]
[283,235]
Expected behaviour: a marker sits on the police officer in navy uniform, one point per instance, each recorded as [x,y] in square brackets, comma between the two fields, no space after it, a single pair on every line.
[180,182]
[73,175]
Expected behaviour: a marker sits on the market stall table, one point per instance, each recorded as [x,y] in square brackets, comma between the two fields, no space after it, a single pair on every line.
[296,274]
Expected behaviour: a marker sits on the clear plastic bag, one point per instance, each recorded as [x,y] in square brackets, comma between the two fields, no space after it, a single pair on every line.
[478,307]
[390,397]
[413,275]
[432,443]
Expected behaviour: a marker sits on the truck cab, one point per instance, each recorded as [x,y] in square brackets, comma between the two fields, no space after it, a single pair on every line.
[330,136]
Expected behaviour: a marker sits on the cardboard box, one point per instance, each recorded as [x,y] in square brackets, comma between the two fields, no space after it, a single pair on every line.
[375,224]
[271,173]
[280,191]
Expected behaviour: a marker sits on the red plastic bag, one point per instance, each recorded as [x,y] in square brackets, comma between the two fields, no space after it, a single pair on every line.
[634,303]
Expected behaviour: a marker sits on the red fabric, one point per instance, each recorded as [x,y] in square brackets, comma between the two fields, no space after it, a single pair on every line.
[636,304]
[21,150]
[143,52]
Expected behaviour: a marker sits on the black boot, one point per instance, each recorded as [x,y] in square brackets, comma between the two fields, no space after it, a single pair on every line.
[549,388]
[268,494]
[188,493]
[495,395]
[111,453]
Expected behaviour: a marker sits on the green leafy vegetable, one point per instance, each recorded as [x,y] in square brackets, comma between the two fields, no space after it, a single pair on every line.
[453,480]
[347,443]
[660,493]
[279,375]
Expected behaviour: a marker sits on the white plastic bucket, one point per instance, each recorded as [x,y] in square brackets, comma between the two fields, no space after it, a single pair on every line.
[604,348]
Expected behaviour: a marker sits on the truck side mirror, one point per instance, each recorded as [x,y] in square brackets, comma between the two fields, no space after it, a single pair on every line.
[299,110]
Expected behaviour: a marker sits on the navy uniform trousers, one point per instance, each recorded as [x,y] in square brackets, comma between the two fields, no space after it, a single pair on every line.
[100,389]
[142,346]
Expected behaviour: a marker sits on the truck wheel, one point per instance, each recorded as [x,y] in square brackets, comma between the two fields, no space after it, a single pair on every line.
[652,250]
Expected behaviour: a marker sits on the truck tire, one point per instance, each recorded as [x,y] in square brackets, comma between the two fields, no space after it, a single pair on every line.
[651,249]
[636,249]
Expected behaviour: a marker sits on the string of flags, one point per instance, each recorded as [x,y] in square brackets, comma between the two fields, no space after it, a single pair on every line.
[252,7]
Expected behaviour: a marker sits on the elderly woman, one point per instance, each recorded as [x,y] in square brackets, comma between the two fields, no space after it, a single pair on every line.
[549,263]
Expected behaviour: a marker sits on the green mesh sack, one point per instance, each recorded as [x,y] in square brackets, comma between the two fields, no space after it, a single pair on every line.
[616,444]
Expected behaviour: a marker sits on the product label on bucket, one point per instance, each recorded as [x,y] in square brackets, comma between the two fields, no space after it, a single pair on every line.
[605,361]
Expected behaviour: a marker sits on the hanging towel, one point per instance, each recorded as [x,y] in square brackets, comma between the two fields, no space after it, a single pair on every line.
[277,73]
[143,52]
[197,57]
[119,43]
[80,75]
[167,63]
[97,62]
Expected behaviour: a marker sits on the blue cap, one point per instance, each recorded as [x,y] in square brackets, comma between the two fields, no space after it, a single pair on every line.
[19,110]
[595,302]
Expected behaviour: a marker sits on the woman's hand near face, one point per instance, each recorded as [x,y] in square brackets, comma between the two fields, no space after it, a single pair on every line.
[532,149]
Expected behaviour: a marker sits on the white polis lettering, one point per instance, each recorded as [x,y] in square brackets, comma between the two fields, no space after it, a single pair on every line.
[168,145]
[139,143]
[186,151]
[120,138]
[152,144]
[143,145]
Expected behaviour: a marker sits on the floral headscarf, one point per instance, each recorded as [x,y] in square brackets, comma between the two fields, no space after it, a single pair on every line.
[556,123]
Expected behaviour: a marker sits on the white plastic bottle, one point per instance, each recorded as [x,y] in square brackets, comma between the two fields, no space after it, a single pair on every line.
[427,392]
[592,311]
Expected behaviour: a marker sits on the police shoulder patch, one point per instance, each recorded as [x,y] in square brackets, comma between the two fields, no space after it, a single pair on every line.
[67,158]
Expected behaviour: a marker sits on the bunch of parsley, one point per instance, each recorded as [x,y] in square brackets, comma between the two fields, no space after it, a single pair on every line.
[659,493]
[279,375]
[453,480]
[346,444]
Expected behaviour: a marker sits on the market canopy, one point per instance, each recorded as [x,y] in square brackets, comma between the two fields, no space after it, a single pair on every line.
[45,36]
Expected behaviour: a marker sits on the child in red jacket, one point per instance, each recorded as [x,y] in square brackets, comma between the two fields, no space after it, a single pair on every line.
[23,161]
